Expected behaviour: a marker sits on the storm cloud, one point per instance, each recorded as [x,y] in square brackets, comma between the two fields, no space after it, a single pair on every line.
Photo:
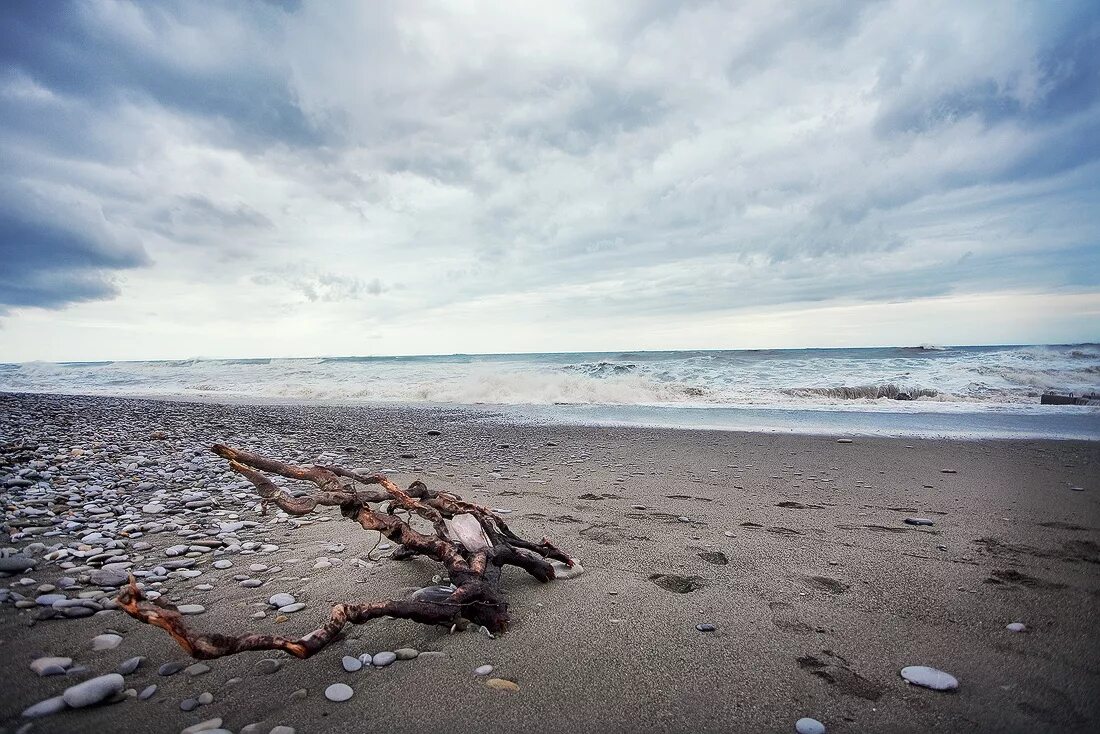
[553,162]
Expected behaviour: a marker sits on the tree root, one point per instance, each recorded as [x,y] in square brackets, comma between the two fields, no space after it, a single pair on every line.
[473,562]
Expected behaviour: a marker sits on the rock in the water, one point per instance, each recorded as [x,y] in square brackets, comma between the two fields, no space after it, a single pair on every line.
[45,708]
[93,691]
[50,666]
[382,659]
[339,692]
[918,521]
[922,675]
[1016,627]
[483,670]
[351,664]
[106,642]
[809,726]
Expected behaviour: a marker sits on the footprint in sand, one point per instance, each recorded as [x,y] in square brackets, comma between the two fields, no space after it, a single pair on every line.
[824,583]
[834,670]
[785,618]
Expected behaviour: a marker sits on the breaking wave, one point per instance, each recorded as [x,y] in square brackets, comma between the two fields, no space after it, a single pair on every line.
[864,392]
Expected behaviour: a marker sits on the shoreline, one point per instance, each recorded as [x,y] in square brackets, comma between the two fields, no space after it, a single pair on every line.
[824,596]
[1064,423]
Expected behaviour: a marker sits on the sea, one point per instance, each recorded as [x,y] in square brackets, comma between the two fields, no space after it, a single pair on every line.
[928,390]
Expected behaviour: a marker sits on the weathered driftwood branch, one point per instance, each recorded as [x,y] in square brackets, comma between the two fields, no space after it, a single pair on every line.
[473,549]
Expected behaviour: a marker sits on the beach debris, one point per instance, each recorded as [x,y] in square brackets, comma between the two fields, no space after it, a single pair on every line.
[927,677]
[472,542]
[339,692]
[806,725]
[917,521]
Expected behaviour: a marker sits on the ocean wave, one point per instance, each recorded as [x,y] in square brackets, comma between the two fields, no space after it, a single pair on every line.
[863,392]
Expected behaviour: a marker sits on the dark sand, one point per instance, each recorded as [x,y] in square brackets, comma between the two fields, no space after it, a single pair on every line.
[825,597]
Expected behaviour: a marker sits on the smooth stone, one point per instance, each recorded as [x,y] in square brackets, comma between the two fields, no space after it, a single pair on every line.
[339,692]
[101,577]
[809,726]
[251,583]
[93,691]
[221,565]
[129,666]
[147,692]
[561,571]
[291,608]
[1016,627]
[267,666]
[705,627]
[282,730]
[483,670]
[197,669]
[206,698]
[922,675]
[351,664]
[191,608]
[17,564]
[281,600]
[382,659]
[45,708]
[917,521]
[188,704]
[50,666]
[48,600]
[208,725]
[106,642]
[501,684]
[171,668]
[406,653]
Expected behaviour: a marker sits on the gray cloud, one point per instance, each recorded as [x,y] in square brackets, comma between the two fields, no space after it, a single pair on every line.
[660,157]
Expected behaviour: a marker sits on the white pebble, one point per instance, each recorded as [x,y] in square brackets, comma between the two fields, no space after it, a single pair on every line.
[922,675]
[339,692]
[1016,627]
[483,670]
[807,725]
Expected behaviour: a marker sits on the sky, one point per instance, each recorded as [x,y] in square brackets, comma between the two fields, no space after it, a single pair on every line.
[227,179]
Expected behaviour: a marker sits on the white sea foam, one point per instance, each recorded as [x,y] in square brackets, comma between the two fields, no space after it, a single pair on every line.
[933,378]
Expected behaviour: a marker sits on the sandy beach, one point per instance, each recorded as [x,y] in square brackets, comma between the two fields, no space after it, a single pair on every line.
[794,547]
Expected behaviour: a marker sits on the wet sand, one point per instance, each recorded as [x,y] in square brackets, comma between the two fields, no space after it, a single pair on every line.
[824,596]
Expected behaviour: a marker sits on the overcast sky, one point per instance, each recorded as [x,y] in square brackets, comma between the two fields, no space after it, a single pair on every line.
[295,179]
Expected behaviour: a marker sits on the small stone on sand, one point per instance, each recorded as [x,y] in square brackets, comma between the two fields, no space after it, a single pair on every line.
[922,675]
[809,726]
[339,692]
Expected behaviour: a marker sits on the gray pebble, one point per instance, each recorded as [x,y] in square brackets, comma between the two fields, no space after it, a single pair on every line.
[922,675]
[45,708]
[197,669]
[106,642]
[129,666]
[147,692]
[483,670]
[809,726]
[93,691]
[351,664]
[267,666]
[171,668]
[382,659]
[406,653]
[339,692]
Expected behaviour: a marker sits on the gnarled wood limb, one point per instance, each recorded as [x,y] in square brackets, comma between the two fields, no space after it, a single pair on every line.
[474,572]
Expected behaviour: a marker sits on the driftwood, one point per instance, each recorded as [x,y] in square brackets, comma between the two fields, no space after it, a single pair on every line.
[473,549]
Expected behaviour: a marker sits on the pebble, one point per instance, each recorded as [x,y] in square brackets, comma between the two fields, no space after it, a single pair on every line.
[406,653]
[206,698]
[705,627]
[351,664]
[844,440]
[291,608]
[281,600]
[197,669]
[483,670]
[1016,627]
[45,708]
[809,726]
[50,666]
[188,704]
[917,521]
[382,659]
[147,692]
[922,675]
[191,608]
[129,666]
[208,725]
[500,684]
[339,692]
[561,571]
[282,730]
[221,565]
[171,668]
[106,642]
[267,666]
[93,691]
